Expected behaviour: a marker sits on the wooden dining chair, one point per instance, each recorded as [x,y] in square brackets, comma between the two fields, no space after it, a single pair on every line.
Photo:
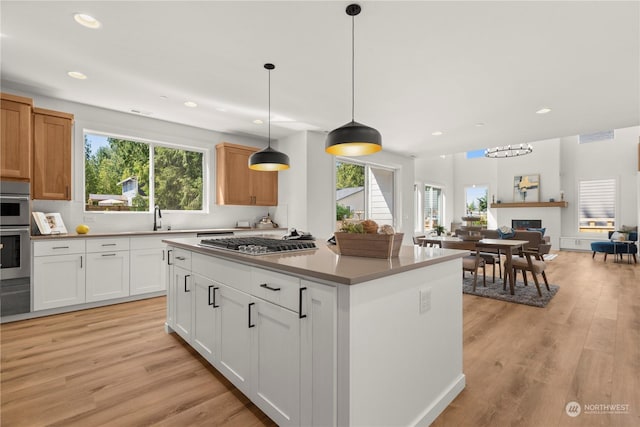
[493,259]
[471,262]
[417,241]
[533,262]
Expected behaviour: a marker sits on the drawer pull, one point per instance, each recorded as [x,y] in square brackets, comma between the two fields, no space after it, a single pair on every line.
[108,254]
[181,258]
[169,256]
[108,244]
[60,247]
[210,292]
[185,282]
[214,298]
[249,310]
[301,316]
[264,285]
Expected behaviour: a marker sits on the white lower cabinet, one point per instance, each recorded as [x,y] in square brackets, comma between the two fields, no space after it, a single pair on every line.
[275,362]
[182,285]
[282,359]
[58,281]
[204,316]
[148,273]
[234,337]
[107,275]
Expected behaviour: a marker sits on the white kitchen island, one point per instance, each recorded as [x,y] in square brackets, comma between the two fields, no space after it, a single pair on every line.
[316,338]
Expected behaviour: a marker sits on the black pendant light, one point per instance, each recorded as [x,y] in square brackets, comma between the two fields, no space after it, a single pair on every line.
[269,159]
[353,139]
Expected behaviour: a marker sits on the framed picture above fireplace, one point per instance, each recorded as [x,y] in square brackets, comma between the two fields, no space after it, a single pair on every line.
[526,188]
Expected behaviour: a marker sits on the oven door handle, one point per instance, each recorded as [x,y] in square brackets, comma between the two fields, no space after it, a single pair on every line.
[15,230]
[16,197]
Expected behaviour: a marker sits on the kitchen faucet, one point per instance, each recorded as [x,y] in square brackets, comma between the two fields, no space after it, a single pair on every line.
[157,215]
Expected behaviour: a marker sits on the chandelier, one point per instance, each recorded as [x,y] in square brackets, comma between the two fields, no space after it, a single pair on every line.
[508,151]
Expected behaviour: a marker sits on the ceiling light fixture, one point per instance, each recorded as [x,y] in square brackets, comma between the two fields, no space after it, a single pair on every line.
[258,121]
[508,151]
[543,110]
[269,159]
[77,75]
[190,104]
[353,138]
[436,133]
[87,20]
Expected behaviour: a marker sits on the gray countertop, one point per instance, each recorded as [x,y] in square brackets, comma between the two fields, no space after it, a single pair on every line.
[154,233]
[326,263]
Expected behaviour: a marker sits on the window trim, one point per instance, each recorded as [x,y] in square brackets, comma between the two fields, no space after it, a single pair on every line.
[152,143]
[616,202]
[442,202]
[366,184]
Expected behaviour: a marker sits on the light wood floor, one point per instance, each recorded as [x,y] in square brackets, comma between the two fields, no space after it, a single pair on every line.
[116,366]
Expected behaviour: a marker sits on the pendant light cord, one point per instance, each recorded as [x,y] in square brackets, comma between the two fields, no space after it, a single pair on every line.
[353,61]
[269,118]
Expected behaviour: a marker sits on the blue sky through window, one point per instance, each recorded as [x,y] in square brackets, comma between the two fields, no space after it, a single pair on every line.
[475,154]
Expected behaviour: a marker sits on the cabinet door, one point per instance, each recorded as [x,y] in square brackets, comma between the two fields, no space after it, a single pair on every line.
[148,271]
[58,281]
[264,188]
[204,316]
[234,343]
[275,354]
[182,294]
[107,275]
[15,140]
[318,347]
[51,157]
[234,176]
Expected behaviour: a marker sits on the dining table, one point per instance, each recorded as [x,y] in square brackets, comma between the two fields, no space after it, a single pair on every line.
[503,246]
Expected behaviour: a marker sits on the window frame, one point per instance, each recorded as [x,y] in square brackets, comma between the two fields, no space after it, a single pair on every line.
[152,143]
[441,203]
[616,205]
[367,166]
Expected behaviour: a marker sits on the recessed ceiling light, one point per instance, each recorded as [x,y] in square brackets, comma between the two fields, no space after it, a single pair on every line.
[479,124]
[222,109]
[544,110]
[144,113]
[436,133]
[443,156]
[87,20]
[190,104]
[258,121]
[77,75]
[164,97]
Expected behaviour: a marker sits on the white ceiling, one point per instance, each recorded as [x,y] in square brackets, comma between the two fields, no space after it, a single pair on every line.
[421,66]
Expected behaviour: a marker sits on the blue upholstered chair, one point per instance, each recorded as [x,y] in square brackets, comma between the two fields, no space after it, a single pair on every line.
[615,247]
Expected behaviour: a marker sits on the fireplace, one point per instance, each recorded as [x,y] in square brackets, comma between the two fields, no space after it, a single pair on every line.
[523,224]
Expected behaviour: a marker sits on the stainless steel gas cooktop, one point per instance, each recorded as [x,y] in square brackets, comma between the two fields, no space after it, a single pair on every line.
[258,245]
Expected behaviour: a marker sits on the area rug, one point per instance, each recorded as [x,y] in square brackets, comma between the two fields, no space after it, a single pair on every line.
[523,294]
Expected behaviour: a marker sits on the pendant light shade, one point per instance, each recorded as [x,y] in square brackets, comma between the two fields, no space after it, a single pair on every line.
[269,159]
[353,139]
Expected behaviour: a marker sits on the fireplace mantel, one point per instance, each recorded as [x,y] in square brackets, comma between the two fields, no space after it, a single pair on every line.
[562,204]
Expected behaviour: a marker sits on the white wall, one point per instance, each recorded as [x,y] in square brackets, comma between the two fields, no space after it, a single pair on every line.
[98,119]
[603,159]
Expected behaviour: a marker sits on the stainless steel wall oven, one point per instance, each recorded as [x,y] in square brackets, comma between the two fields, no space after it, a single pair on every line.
[15,255]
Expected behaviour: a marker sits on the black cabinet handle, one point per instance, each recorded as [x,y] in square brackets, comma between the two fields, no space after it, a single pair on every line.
[60,247]
[186,276]
[163,254]
[214,298]
[210,289]
[108,244]
[264,285]
[181,258]
[250,304]
[169,256]
[80,261]
[301,316]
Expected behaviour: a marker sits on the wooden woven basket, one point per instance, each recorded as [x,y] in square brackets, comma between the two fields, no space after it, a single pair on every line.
[369,245]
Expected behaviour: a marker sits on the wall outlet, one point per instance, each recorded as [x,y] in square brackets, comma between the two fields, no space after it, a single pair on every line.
[425,300]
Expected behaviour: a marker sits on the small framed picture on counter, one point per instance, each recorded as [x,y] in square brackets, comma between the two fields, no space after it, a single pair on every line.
[49,223]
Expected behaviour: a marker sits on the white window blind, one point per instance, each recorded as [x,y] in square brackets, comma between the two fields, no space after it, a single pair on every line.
[597,205]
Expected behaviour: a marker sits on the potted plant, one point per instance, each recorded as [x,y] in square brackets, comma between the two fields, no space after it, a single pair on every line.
[439,229]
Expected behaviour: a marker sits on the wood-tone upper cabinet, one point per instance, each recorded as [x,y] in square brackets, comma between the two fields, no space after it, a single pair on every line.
[15,137]
[51,155]
[239,185]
